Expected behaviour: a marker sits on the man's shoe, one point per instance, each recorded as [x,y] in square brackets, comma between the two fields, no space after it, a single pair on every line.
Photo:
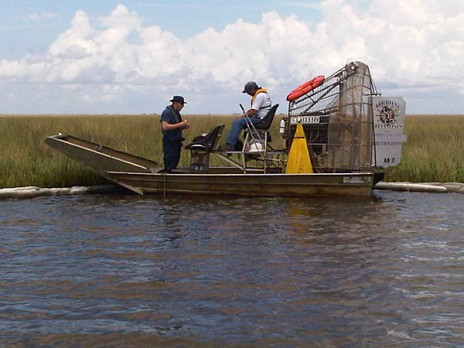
[225,148]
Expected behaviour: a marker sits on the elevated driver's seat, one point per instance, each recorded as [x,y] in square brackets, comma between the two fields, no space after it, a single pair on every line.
[262,129]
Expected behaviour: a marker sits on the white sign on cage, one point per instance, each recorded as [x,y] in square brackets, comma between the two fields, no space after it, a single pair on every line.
[389,113]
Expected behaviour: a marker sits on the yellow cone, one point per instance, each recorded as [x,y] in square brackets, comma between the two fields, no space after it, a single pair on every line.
[299,161]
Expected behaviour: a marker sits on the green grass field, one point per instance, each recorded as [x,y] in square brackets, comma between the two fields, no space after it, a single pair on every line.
[432,153]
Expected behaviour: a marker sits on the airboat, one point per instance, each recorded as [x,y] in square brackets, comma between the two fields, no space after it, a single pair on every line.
[339,133]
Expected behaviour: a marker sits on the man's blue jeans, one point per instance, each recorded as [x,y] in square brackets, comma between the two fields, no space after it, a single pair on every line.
[237,127]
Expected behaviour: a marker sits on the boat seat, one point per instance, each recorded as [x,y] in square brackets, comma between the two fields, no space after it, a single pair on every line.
[207,142]
[260,130]
[266,122]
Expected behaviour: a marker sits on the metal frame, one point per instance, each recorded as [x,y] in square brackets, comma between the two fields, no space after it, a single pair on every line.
[337,118]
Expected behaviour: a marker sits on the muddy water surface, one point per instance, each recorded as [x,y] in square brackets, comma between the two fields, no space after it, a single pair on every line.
[125,270]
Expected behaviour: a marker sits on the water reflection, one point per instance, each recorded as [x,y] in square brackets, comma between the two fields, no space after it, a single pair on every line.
[384,270]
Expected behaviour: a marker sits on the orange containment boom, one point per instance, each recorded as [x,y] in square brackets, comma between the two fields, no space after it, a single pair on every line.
[305,88]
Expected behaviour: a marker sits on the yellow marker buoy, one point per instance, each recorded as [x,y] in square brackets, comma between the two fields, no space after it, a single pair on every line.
[299,161]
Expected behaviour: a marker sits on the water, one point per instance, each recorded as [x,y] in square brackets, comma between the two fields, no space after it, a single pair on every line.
[124,270]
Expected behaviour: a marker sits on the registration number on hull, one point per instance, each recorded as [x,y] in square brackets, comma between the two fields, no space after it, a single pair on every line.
[356,179]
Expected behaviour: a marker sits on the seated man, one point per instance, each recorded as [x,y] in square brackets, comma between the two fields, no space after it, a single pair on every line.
[260,105]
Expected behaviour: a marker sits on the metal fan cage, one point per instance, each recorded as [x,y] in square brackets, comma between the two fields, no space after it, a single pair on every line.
[337,119]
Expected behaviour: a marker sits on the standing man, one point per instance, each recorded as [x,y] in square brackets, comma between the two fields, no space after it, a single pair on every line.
[172,126]
[260,105]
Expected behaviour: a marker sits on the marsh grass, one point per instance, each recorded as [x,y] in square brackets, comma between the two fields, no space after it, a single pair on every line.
[27,161]
[433,151]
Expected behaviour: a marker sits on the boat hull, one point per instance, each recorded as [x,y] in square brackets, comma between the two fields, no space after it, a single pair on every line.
[292,185]
[141,175]
[99,158]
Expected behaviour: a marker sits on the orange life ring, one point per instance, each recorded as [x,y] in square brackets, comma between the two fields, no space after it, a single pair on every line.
[305,87]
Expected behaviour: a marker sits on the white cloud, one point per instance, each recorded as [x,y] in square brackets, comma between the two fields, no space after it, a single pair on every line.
[121,17]
[42,15]
[312,5]
[413,47]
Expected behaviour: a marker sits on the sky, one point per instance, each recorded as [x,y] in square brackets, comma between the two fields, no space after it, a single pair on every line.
[131,57]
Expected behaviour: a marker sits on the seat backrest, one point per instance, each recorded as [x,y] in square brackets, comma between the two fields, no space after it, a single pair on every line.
[265,124]
[209,141]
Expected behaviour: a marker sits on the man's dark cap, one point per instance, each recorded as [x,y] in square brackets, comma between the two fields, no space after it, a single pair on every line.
[250,86]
